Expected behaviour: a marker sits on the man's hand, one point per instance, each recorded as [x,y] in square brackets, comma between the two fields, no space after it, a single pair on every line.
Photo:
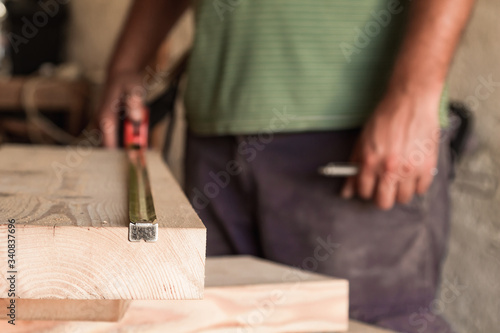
[147,24]
[397,150]
[398,147]
[120,89]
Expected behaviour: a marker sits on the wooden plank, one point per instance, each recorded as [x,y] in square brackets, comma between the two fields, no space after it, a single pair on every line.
[71,235]
[357,327]
[48,95]
[51,93]
[243,294]
[66,309]
[93,327]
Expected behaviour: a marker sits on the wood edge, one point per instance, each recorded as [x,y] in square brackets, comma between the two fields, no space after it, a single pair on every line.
[339,283]
[312,276]
[67,309]
[162,166]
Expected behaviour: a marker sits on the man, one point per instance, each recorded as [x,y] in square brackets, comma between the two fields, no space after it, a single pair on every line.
[278,88]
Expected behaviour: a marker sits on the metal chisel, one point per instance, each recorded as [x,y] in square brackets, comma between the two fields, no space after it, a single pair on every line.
[141,210]
[339,170]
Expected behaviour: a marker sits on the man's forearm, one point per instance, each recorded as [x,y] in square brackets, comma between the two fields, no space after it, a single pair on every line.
[432,35]
[146,26]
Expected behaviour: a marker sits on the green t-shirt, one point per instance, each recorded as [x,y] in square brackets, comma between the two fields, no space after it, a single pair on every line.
[321,64]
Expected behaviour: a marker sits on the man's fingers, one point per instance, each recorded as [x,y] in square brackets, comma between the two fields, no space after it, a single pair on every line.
[386,192]
[406,190]
[108,115]
[134,108]
[108,121]
[367,177]
[424,182]
[406,183]
[348,190]
[387,185]
[108,125]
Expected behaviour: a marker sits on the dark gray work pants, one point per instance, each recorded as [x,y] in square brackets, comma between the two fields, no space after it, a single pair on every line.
[262,195]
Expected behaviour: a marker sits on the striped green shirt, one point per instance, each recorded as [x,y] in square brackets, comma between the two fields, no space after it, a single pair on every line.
[321,64]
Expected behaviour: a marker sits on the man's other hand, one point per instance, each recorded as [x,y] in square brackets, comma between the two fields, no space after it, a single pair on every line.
[397,150]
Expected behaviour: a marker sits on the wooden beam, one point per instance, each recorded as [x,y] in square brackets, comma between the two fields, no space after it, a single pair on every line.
[243,294]
[71,230]
[66,309]
[143,327]
[49,95]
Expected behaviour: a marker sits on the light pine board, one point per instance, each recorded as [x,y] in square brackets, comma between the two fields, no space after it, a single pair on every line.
[66,309]
[242,294]
[143,327]
[72,228]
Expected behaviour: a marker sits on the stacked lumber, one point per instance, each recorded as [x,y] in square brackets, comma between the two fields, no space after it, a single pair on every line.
[64,229]
[242,294]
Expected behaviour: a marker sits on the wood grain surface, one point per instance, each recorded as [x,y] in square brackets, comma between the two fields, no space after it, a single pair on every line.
[140,326]
[66,309]
[71,234]
[243,294]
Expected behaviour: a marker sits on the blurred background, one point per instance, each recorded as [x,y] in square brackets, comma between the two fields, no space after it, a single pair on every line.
[53,67]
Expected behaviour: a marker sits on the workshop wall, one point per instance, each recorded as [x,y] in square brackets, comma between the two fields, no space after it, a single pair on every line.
[92,31]
[474,249]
